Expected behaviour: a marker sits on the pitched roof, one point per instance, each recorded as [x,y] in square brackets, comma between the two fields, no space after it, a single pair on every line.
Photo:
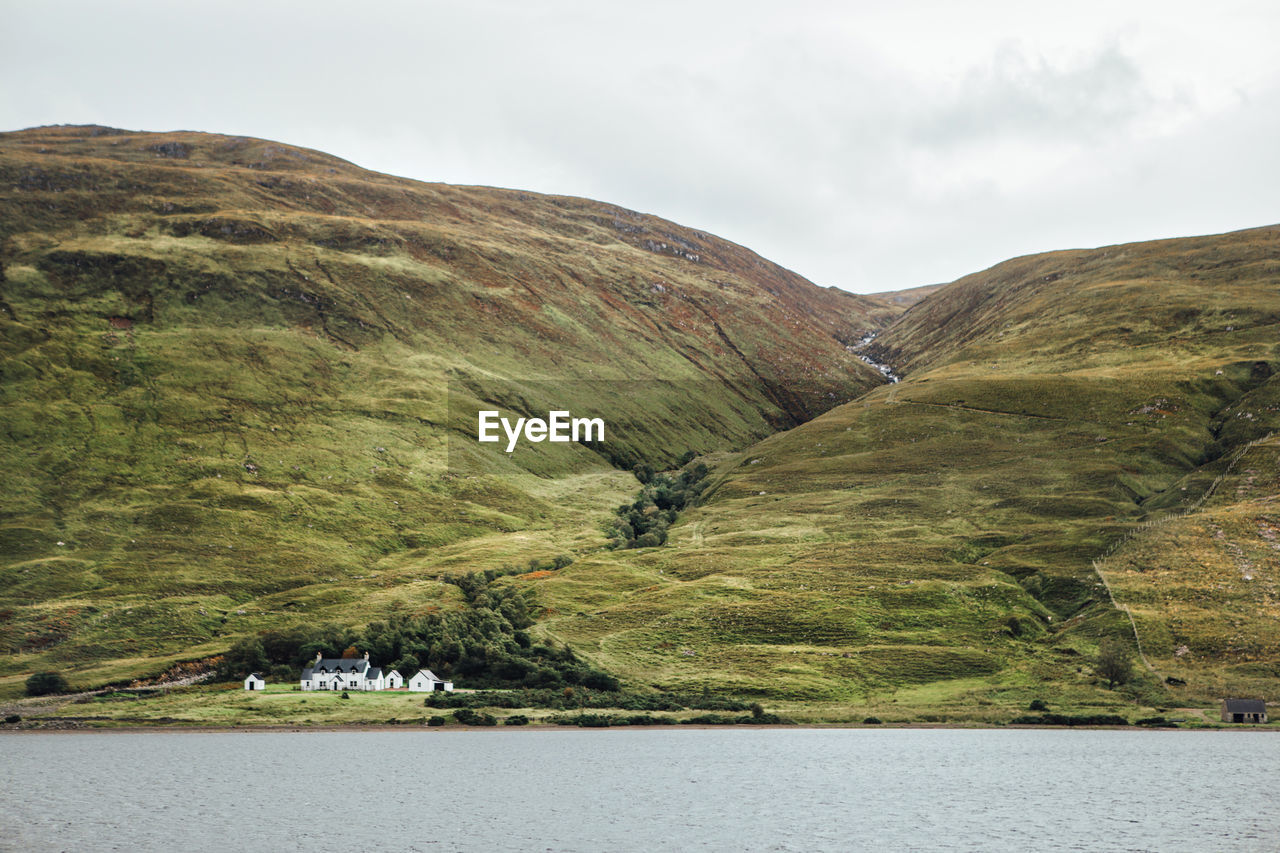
[373,673]
[255,675]
[346,664]
[306,674]
[1245,706]
[431,676]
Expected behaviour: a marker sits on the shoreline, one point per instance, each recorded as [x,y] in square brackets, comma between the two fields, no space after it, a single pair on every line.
[533,727]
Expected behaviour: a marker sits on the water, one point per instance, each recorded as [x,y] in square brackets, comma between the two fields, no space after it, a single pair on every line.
[884,369]
[705,790]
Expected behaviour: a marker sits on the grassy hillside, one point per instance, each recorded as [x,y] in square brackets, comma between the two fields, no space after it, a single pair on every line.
[240,378]
[240,382]
[933,542]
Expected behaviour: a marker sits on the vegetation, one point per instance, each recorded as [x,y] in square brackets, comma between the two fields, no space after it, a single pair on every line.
[484,645]
[46,683]
[643,523]
[1070,720]
[570,699]
[240,388]
[240,385]
[1115,663]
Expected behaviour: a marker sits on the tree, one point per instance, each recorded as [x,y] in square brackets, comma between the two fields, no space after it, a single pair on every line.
[46,683]
[244,657]
[409,664]
[1115,663]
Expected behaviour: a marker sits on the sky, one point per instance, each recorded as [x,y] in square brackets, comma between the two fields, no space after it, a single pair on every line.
[865,145]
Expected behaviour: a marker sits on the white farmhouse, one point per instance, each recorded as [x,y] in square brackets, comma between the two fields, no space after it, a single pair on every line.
[255,682]
[426,681]
[345,674]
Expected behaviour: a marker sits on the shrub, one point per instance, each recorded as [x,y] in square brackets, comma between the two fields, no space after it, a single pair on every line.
[1038,705]
[516,720]
[872,721]
[437,720]
[13,718]
[1070,720]
[1115,663]
[346,695]
[763,720]
[647,720]
[46,684]
[468,717]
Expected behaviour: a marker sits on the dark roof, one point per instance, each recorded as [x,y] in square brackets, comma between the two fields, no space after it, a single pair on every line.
[306,674]
[1245,706]
[373,673]
[347,664]
[255,675]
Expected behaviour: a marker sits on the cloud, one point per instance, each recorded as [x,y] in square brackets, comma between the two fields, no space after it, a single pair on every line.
[863,145]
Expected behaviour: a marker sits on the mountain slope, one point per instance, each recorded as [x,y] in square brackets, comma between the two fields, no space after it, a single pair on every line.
[934,541]
[240,382]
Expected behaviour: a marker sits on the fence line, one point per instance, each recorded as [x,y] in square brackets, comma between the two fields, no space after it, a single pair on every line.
[1136,530]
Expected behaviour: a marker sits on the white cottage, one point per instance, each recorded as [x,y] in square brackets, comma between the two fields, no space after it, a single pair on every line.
[394,680]
[255,682]
[343,674]
[425,681]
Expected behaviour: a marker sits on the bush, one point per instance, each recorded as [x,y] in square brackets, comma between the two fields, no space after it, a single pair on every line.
[1115,663]
[47,684]
[346,695]
[13,718]
[437,720]
[1070,720]
[516,720]
[468,717]
[648,720]
[872,721]
[1038,705]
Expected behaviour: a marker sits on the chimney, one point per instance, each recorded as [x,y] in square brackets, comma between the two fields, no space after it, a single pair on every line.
[318,656]
[366,655]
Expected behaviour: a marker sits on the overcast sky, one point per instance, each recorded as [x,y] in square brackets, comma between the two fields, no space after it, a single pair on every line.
[870,146]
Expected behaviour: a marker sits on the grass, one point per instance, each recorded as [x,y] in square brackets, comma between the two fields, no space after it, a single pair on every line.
[946,527]
[958,702]
[240,392]
[238,395]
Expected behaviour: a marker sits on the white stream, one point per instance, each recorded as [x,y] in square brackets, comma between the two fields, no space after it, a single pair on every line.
[883,368]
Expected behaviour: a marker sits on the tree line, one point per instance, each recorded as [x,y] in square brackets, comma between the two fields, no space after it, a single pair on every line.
[643,523]
[484,645]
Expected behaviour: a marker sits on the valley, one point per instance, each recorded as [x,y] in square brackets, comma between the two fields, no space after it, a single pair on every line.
[241,383]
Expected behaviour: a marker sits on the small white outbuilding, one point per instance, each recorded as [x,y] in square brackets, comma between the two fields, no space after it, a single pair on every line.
[393,680]
[425,681]
[255,682]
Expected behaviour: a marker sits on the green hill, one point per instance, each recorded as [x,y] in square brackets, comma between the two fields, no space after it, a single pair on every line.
[241,379]
[932,544]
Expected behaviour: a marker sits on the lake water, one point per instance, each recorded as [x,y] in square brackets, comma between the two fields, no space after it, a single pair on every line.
[699,790]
